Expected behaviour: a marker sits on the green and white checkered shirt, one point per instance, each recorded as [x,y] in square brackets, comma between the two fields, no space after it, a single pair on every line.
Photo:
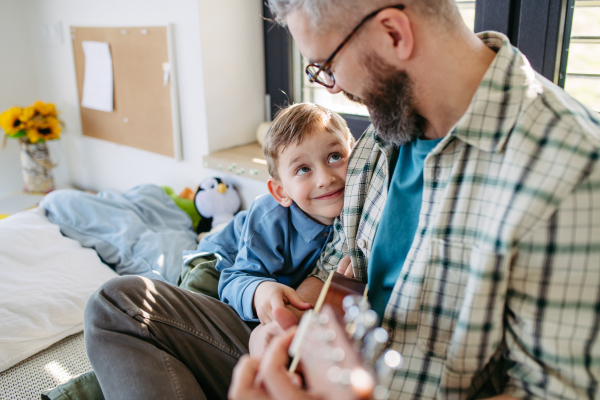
[500,291]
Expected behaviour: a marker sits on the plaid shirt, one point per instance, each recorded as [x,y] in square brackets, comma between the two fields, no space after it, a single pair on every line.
[500,291]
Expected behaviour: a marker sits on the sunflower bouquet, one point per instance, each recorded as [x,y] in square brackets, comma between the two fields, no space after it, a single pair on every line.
[33,126]
[36,123]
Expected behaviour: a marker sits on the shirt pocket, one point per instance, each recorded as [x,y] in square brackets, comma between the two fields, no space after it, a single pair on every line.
[462,304]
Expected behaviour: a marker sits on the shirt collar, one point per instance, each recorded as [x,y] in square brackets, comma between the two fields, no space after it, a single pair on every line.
[306,227]
[508,86]
[386,148]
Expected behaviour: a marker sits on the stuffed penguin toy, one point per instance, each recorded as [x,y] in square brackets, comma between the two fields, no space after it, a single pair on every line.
[216,201]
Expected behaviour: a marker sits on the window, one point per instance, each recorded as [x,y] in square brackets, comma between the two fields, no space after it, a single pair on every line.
[580,69]
[467,11]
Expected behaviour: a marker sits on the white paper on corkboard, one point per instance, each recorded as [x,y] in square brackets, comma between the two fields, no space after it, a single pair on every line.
[98,77]
[145,111]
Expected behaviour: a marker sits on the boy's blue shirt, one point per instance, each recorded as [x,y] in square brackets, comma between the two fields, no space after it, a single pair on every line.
[268,242]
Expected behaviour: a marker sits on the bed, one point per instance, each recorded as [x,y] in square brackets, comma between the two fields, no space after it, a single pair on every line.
[53,257]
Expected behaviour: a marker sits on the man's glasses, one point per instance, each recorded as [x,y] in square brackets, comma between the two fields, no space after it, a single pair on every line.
[320,73]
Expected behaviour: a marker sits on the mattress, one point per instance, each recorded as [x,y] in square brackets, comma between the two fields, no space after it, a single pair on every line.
[45,370]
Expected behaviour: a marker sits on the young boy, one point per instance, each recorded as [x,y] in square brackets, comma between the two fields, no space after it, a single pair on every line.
[266,252]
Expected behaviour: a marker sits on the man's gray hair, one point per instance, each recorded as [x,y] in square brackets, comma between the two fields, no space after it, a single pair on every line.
[329,14]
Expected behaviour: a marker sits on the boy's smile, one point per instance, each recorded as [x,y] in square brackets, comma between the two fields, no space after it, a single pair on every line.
[331,195]
[313,174]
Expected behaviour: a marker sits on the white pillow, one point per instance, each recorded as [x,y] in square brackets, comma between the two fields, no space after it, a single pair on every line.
[45,282]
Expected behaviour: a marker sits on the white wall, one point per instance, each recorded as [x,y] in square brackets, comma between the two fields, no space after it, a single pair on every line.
[234,70]
[208,120]
[18,82]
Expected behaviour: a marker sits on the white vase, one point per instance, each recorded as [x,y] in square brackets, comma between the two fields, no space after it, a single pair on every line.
[36,167]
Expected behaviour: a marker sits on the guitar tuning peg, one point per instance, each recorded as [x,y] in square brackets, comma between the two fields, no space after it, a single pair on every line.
[374,342]
[355,300]
[351,314]
[386,368]
[351,300]
[365,321]
[323,319]
[370,319]
[381,393]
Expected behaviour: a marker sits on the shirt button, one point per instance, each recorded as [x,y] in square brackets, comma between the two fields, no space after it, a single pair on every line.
[361,243]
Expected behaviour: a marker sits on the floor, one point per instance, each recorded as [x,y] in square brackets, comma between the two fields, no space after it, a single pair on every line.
[45,370]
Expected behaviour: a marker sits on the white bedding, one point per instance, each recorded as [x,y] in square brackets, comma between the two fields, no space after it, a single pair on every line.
[45,282]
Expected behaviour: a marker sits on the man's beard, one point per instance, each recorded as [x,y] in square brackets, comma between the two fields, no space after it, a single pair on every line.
[389,99]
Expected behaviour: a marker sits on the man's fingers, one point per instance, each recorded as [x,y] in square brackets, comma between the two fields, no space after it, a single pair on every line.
[296,380]
[243,377]
[274,366]
[276,356]
[284,317]
[261,336]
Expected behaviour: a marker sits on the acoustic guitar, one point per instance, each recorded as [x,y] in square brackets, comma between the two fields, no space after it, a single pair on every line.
[340,337]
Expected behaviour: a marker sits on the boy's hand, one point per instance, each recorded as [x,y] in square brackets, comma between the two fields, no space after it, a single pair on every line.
[345,267]
[270,295]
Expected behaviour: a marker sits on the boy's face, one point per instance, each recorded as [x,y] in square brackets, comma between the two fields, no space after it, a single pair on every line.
[313,174]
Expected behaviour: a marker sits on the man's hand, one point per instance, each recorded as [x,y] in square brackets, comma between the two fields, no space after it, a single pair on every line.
[276,383]
[270,295]
[262,335]
[242,382]
[345,267]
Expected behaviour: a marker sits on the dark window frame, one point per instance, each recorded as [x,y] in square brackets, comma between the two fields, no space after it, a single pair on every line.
[536,27]
[278,70]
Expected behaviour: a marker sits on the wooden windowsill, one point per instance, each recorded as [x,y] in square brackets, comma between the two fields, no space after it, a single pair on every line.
[247,161]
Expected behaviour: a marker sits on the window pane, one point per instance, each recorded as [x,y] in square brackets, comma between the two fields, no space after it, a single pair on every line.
[314,93]
[584,57]
[586,18]
[583,66]
[467,11]
[584,89]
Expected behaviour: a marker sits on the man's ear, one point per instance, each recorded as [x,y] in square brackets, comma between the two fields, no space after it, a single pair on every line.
[278,193]
[397,26]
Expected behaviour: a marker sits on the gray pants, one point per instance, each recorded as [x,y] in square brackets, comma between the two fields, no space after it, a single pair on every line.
[147,339]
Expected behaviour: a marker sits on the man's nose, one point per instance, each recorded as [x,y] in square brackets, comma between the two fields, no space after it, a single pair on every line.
[335,89]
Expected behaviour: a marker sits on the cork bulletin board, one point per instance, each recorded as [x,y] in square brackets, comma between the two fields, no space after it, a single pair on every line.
[145,114]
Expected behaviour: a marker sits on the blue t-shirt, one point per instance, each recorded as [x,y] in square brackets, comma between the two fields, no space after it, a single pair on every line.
[268,242]
[399,221]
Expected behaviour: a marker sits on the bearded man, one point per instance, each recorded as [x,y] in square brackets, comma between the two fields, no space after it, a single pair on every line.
[472,209]
[472,205]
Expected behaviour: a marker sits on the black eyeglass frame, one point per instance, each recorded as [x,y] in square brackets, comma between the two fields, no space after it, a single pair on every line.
[325,67]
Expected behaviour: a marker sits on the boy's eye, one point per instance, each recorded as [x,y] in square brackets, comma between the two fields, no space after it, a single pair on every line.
[302,171]
[335,158]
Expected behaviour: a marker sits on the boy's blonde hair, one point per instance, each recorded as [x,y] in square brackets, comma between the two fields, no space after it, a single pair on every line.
[294,123]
